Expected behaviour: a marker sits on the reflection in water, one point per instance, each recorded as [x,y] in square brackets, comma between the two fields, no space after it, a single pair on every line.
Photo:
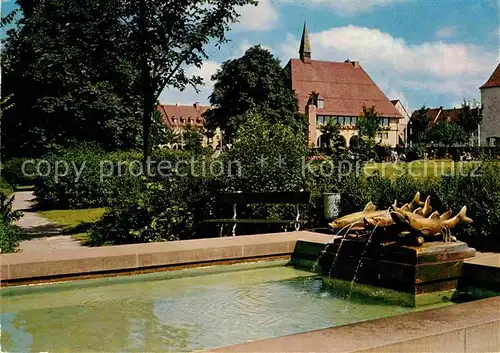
[176,314]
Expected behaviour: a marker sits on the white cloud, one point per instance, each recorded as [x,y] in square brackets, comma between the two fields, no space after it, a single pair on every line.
[262,17]
[347,7]
[245,45]
[452,69]
[189,95]
[446,32]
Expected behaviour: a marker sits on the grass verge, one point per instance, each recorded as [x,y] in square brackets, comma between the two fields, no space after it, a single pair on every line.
[76,223]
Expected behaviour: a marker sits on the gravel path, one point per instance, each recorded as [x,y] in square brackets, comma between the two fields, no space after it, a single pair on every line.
[44,235]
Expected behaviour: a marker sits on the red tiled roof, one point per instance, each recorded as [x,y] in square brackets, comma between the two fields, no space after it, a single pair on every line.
[439,114]
[344,88]
[494,80]
[450,114]
[174,115]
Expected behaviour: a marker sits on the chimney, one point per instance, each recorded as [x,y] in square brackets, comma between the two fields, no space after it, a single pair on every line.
[355,64]
[196,105]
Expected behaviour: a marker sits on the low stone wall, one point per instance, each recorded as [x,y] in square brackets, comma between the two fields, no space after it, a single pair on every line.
[462,328]
[23,268]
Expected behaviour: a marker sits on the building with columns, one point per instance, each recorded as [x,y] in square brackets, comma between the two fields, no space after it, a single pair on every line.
[490,99]
[343,89]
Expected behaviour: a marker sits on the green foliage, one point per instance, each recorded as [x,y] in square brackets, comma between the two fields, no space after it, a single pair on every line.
[93,65]
[165,208]
[470,116]
[334,140]
[5,187]
[368,124]
[255,82]
[420,126]
[447,133]
[12,171]
[10,235]
[80,185]
[270,156]
[193,140]
[75,59]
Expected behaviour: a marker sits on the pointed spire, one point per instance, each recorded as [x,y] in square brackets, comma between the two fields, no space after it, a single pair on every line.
[305,46]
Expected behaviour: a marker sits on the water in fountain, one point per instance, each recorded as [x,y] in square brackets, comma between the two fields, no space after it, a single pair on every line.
[323,252]
[360,264]
[338,249]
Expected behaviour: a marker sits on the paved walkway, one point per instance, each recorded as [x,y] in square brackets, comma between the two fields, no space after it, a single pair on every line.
[43,235]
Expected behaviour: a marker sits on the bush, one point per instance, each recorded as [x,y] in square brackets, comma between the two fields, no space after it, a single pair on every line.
[10,235]
[5,187]
[174,207]
[169,208]
[81,186]
[12,172]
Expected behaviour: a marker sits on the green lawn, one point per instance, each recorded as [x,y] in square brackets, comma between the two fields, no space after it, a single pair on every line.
[418,168]
[75,222]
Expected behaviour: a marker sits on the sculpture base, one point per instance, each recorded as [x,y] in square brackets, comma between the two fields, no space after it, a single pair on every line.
[427,273]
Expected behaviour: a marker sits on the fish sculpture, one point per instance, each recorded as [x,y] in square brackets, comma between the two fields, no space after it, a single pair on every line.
[432,226]
[415,218]
[385,220]
[355,220]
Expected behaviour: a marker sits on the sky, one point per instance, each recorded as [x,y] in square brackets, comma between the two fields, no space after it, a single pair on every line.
[423,52]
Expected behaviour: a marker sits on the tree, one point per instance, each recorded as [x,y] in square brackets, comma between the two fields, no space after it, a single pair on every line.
[470,116]
[447,133]
[94,68]
[66,68]
[170,35]
[254,82]
[368,124]
[420,126]
[193,139]
[331,135]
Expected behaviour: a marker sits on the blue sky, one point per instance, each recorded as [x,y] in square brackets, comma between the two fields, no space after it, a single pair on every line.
[432,52]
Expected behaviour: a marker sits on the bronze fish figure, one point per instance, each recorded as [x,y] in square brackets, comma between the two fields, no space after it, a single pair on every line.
[355,220]
[431,226]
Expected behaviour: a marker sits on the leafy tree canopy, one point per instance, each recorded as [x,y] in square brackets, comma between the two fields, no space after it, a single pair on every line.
[255,81]
[420,126]
[447,133]
[368,124]
[470,116]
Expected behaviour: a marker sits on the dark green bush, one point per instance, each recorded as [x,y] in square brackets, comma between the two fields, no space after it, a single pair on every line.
[89,188]
[10,235]
[12,171]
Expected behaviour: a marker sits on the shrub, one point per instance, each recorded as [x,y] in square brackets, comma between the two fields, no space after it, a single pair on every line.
[10,235]
[5,187]
[169,208]
[12,172]
[81,185]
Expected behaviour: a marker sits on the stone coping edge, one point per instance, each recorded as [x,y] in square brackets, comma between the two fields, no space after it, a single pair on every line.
[460,328]
[36,267]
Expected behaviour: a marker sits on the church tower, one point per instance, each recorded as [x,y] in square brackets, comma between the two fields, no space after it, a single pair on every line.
[305,46]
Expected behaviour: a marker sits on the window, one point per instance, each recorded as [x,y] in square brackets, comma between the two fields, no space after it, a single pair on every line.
[320,120]
[353,121]
[341,120]
[385,122]
[321,103]
[327,119]
[383,135]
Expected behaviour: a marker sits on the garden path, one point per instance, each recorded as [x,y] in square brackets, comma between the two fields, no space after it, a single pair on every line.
[42,234]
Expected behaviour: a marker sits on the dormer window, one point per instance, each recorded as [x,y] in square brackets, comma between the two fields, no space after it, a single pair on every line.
[321,103]
[182,120]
